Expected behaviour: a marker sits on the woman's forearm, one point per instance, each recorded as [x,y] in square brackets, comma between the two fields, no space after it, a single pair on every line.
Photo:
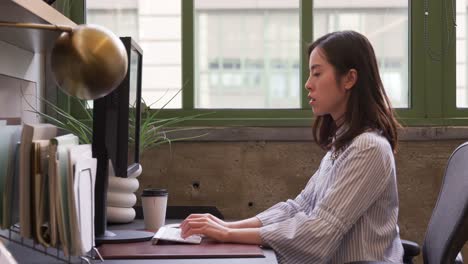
[253,222]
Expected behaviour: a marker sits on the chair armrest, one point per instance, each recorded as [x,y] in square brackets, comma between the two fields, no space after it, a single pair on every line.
[411,248]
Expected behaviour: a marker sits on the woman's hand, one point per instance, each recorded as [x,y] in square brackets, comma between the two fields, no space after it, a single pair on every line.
[209,216]
[205,224]
[244,231]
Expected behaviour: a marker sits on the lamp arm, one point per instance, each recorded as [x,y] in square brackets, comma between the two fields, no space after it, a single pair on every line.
[36,26]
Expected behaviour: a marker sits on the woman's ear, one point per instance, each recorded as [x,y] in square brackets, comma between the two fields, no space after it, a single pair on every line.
[350,79]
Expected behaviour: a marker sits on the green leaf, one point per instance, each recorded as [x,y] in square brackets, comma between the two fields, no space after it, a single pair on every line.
[153,131]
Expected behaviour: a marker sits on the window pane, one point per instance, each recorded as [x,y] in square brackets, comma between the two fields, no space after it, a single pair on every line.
[159,7]
[247,54]
[385,24]
[462,89]
[161,77]
[155,26]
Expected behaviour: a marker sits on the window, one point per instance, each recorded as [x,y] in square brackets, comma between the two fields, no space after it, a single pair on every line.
[245,60]
[155,25]
[385,23]
[247,54]
[461,59]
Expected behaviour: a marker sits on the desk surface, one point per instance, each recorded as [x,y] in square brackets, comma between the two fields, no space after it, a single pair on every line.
[270,256]
[25,255]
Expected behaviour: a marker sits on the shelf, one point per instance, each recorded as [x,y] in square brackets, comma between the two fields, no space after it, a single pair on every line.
[30,11]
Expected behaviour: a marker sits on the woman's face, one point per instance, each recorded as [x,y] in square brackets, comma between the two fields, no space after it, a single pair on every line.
[326,95]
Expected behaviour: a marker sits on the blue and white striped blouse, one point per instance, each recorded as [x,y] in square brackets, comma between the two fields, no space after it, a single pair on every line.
[347,212]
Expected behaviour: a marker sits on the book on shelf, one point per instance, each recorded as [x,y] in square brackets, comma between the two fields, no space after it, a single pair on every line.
[9,138]
[30,132]
[59,176]
[40,191]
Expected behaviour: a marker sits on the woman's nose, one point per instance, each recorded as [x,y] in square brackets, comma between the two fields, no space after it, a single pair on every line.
[308,84]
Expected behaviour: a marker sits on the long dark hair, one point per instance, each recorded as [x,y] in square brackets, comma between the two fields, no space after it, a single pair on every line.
[368,105]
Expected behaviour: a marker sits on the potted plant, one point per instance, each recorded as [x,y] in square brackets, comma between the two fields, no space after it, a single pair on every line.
[154,131]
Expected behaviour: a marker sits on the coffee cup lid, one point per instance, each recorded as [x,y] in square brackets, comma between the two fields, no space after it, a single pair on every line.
[154,192]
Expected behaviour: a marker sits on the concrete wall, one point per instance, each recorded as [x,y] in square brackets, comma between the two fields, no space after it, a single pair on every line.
[242,178]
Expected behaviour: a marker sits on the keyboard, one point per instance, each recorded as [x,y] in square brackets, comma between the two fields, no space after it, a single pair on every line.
[173,234]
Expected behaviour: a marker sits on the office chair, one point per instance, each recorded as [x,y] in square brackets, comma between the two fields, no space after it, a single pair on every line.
[447,231]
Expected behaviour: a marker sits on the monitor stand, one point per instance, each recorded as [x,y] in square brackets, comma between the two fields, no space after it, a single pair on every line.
[101,233]
[123,236]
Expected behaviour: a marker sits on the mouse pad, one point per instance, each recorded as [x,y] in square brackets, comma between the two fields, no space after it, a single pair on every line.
[206,249]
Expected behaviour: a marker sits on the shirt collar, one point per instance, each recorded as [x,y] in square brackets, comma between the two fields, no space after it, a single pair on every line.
[341,130]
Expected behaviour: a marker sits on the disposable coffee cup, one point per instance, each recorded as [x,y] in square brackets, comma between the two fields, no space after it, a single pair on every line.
[154,208]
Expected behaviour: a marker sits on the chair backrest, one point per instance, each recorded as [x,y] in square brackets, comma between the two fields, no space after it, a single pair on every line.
[448,227]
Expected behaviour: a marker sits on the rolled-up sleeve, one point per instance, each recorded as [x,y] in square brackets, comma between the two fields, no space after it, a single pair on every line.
[360,179]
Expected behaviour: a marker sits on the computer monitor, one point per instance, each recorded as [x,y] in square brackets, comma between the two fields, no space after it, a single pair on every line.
[122,120]
[116,130]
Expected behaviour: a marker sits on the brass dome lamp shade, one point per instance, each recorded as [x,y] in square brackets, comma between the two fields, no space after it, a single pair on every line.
[88,61]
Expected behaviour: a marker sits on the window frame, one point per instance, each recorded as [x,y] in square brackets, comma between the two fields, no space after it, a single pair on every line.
[449,73]
[302,116]
[429,103]
[77,13]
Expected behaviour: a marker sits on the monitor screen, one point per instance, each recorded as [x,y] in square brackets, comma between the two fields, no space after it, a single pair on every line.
[134,71]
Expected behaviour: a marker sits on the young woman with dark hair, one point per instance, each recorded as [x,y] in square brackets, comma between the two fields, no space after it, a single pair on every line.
[348,210]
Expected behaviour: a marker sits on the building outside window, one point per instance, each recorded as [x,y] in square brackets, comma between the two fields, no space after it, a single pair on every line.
[247,53]
[385,24]
[156,27]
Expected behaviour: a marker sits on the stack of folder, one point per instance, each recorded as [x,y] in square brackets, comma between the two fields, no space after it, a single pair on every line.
[54,178]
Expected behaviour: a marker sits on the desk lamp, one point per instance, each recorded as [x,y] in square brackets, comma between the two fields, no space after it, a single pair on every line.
[89,62]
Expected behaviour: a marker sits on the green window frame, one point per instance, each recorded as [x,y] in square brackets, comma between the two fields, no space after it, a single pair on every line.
[432,81]
[433,66]
[75,11]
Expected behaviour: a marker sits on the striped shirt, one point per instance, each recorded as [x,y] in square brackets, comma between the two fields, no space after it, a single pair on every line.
[348,210]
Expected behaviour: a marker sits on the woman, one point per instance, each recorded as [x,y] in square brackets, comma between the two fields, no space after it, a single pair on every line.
[348,210]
